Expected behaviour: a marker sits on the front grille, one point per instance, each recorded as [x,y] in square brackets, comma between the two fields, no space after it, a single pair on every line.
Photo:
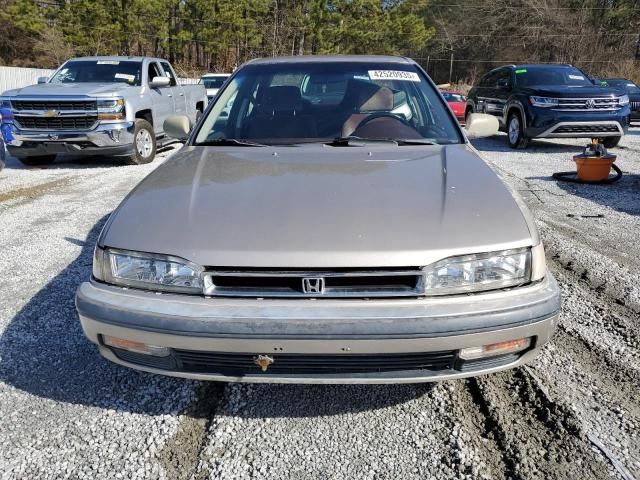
[57,123]
[587,129]
[635,106]
[338,283]
[599,104]
[84,105]
[240,364]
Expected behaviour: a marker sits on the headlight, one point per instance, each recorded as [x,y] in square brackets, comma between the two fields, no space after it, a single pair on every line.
[111,109]
[472,273]
[543,101]
[623,100]
[151,272]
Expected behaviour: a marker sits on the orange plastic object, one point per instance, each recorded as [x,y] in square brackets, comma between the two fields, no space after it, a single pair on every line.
[593,169]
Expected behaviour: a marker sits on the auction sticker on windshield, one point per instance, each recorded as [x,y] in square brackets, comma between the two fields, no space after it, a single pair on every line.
[393,75]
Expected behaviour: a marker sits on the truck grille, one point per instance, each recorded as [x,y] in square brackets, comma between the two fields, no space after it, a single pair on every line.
[337,283]
[36,105]
[57,123]
[240,364]
[635,106]
[588,104]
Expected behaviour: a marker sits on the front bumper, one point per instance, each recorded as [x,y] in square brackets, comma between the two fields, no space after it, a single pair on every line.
[105,139]
[550,123]
[322,327]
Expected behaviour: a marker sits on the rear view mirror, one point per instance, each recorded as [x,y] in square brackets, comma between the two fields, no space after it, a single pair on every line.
[43,80]
[177,126]
[159,82]
[481,125]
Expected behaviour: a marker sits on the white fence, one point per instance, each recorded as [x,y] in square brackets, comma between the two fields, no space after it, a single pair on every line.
[16,77]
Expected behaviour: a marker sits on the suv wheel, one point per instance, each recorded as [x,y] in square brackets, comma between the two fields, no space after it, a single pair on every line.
[38,161]
[515,132]
[610,142]
[144,144]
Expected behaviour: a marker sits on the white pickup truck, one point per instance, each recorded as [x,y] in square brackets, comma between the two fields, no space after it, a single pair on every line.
[112,106]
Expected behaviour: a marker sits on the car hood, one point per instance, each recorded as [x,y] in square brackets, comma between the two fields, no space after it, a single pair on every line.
[582,91]
[319,206]
[76,89]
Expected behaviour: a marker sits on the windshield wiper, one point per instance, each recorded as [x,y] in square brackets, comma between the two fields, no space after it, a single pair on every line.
[346,141]
[353,139]
[229,142]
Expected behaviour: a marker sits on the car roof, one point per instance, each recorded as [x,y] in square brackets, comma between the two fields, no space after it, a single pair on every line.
[119,58]
[332,59]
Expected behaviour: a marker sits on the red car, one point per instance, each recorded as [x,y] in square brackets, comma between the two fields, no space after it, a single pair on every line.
[457,102]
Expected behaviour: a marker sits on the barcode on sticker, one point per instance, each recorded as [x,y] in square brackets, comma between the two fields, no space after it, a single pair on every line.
[394,75]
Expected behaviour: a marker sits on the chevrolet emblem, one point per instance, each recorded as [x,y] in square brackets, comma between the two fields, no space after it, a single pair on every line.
[52,113]
[263,361]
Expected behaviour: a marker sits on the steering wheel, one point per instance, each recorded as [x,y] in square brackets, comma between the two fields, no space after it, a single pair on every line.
[374,116]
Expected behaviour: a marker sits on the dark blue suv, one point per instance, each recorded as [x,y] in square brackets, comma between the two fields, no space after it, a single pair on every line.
[550,101]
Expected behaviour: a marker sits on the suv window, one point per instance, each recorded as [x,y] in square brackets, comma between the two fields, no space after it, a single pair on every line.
[503,78]
[545,75]
[490,79]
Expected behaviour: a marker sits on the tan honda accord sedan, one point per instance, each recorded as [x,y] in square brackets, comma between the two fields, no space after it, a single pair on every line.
[327,221]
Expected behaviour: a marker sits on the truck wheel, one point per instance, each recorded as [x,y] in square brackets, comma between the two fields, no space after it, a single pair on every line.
[38,161]
[515,132]
[610,142]
[144,144]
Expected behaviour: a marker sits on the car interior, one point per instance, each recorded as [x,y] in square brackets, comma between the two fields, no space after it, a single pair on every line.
[328,107]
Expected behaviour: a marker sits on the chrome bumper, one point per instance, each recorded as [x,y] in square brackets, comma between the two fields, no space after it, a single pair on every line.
[322,327]
[107,136]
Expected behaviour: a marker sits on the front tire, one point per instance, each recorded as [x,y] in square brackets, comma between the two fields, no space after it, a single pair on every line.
[610,142]
[515,132]
[144,144]
[38,161]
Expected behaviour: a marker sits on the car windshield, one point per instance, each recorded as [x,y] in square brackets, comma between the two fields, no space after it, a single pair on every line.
[213,82]
[452,97]
[99,71]
[551,75]
[305,102]
[626,85]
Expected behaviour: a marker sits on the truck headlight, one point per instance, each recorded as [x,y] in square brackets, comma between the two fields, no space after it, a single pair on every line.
[111,109]
[472,273]
[543,101]
[623,100]
[147,271]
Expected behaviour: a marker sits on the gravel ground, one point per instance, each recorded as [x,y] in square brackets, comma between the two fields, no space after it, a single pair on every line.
[573,413]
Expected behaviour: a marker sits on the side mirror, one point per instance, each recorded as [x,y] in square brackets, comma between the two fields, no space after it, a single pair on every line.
[177,126]
[43,80]
[481,125]
[160,82]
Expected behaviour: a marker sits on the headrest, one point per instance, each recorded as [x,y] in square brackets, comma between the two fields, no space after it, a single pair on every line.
[363,96]
[283,98]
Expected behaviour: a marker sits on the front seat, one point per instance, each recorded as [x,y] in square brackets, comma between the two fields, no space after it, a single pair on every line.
[360,100]
[282,113]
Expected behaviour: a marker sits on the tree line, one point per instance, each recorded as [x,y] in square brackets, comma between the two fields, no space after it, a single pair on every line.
[455,40]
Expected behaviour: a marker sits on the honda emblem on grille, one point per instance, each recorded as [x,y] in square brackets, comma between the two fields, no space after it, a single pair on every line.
[52,113]
[263,361]
[590,103]
[313,285]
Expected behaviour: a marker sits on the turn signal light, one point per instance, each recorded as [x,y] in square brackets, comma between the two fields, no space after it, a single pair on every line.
[495,349]
[137,347]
